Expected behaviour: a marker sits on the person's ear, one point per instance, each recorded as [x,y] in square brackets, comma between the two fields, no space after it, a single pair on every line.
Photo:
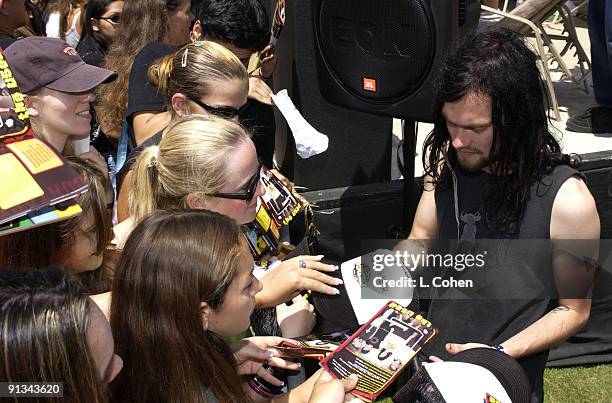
[95,24]
[205,311]
[196,32]
[116,367]
[179,104]
[195,201]
[31,105]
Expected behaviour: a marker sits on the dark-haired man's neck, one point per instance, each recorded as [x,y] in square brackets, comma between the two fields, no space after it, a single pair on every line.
[8,24]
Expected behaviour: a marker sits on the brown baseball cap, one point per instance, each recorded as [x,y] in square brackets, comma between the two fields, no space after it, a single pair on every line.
[38,61]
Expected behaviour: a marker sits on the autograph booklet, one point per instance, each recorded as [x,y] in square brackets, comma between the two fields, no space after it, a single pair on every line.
[313,346]
[380,349]
[276,207]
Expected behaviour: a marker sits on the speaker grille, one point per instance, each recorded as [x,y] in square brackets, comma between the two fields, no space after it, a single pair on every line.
[378,50]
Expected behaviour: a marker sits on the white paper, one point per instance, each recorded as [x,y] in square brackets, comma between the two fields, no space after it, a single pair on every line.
[364,308]
[308,140]
[81,145]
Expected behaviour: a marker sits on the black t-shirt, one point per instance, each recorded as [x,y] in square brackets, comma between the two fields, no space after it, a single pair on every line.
[133,156]
[142,95]
[89,52]
[258,118]
[493,320]
[6,41]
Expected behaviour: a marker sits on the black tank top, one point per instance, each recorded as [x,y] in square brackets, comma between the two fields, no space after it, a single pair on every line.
[492,321]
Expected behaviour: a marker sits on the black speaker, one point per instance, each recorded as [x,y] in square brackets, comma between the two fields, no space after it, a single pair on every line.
[359,143]
[329,49]
[380,56]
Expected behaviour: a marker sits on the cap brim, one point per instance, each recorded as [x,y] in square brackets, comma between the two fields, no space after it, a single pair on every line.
[335,311]
[82,79]
[506,369]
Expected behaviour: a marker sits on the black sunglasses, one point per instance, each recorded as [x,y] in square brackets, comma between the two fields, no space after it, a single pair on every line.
[227,112]
[250,190]
[113,19]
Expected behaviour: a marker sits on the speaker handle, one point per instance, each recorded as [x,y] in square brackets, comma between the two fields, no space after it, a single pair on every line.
[462,14]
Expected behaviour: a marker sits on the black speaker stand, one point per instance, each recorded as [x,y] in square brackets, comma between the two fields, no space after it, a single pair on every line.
[409,136]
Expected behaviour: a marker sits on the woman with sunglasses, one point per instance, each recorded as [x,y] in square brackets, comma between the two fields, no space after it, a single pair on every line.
[205,162]
[102,18]
[202,77]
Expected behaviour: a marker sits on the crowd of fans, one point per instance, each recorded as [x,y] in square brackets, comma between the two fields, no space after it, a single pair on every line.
[157,285]
[177,114]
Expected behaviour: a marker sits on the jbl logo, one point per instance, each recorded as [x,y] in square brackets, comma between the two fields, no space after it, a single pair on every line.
[369,84]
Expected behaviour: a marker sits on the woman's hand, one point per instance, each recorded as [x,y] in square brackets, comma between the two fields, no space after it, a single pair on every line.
[286,279]
[267,58]
[322,388]
[259,90]
[330,390]
[96,159]
[297,319]
[253,352]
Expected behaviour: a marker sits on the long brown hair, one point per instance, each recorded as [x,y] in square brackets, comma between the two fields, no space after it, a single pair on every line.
[44,319]
[66,8]
[196,69]
[173,261]
[47,245]
[142,22]
[191,158]
[498,64]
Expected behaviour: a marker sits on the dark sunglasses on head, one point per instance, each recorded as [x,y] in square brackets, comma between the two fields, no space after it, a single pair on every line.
[251,189]
[227,112]
[113,19]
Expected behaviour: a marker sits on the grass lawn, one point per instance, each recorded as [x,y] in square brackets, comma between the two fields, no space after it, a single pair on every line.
[579,384]
[568,385]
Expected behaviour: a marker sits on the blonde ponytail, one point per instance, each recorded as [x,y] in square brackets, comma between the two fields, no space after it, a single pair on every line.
[159,73]
[192,159]
[196,70]
[142,200]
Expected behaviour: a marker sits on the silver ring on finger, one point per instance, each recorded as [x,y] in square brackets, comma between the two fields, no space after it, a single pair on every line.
[302,264]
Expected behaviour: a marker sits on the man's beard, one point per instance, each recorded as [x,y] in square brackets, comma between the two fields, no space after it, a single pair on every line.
[474,162]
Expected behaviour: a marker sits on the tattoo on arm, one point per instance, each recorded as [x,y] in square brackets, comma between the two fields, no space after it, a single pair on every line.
[561,308]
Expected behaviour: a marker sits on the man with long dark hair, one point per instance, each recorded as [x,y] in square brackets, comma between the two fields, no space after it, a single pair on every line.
[494,170]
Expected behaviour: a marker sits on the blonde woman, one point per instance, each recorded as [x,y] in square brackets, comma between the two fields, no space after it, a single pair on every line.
[204,78]
[58,87]
[205,162]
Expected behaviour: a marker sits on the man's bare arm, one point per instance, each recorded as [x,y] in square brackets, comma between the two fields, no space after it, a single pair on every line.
[425,223]
[574,216]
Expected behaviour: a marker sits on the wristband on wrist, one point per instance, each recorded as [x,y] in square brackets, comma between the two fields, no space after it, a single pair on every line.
[501,348]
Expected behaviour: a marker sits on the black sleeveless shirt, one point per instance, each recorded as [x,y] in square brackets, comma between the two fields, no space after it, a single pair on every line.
[494,320]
